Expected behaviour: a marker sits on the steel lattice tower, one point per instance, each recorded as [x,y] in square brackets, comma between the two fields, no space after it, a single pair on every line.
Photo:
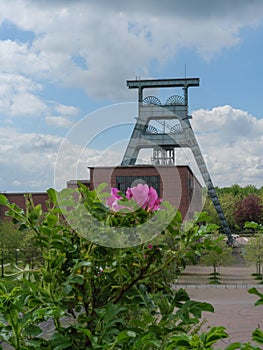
[163,142]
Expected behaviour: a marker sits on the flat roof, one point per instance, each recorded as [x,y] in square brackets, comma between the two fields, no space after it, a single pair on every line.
[158,83]
[140,166]
[18,193]
[75,182]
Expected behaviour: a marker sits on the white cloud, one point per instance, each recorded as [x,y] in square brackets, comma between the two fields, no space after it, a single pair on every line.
[16,183]
[18,96]
[230,139]
[26,104]
[35,162]
[97,45]
[66,110]
[21,58]
[26,159]
[58,121]
[232,143]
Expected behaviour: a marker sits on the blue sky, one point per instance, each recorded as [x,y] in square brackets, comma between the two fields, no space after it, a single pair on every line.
[64,103]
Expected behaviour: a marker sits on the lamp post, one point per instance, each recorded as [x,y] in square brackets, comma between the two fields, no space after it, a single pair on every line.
[17,251]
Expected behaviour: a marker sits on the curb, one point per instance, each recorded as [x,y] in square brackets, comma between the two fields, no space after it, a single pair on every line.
[211,286]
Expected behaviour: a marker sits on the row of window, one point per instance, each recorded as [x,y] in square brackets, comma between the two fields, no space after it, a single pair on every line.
[123,182]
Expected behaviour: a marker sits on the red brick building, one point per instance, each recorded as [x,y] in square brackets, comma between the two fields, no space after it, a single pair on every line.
[20,200]
[176,184]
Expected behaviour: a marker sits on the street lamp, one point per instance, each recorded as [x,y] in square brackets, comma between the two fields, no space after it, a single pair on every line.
[17,251]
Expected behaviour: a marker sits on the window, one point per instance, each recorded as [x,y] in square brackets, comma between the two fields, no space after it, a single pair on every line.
[123,182]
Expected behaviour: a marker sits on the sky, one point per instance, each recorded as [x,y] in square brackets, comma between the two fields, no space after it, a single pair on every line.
[65,105]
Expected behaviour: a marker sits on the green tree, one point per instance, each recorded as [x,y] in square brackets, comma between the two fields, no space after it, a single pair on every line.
[249,209]
[228,202]
[235,190]
[238,191]
[229,198]
[10,241]
[253,252]
[29,253]
[216,253]
[210,209]
[16,245]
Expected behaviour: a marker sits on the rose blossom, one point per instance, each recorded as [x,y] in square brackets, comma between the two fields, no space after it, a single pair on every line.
[145,197]
[113,200]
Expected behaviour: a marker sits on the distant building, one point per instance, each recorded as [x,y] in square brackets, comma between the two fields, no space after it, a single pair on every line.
[176,184]
[75,183]
[20,200]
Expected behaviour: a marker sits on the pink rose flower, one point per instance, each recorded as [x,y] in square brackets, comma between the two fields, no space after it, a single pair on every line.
[139,194]
[113,197]
[145,197]
[113,201]
[153,200]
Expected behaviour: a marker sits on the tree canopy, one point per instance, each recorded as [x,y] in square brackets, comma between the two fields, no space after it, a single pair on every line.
[240,204]
[249,209]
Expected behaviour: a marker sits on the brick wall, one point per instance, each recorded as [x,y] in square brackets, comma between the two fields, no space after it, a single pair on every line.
[19,199]
[178,184]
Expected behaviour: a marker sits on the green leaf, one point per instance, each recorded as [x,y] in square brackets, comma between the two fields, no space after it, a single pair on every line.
[77,279]
[3,200]
[101,187]
[257,336]
[33,330]
[67,289]
[256,292]
[36,343]
[83,264]
[202,217]
[181,340]
[194,308]
[125,335]
[180,296]
[52,194]
[238,345]
[131,334]
[60,342]
[213,335]
[51,220]
[252,225]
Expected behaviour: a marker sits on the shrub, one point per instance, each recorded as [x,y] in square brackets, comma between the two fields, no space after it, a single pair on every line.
[96,295]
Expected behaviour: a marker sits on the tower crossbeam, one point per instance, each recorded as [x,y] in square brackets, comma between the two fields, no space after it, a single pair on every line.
[180,136]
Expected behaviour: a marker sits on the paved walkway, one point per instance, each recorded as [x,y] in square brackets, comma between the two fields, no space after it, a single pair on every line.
[234,306]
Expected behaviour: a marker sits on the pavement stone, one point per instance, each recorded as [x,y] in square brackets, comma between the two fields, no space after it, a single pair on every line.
[234,306]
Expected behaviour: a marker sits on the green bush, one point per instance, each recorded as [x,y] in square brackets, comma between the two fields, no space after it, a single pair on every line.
[97,296]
